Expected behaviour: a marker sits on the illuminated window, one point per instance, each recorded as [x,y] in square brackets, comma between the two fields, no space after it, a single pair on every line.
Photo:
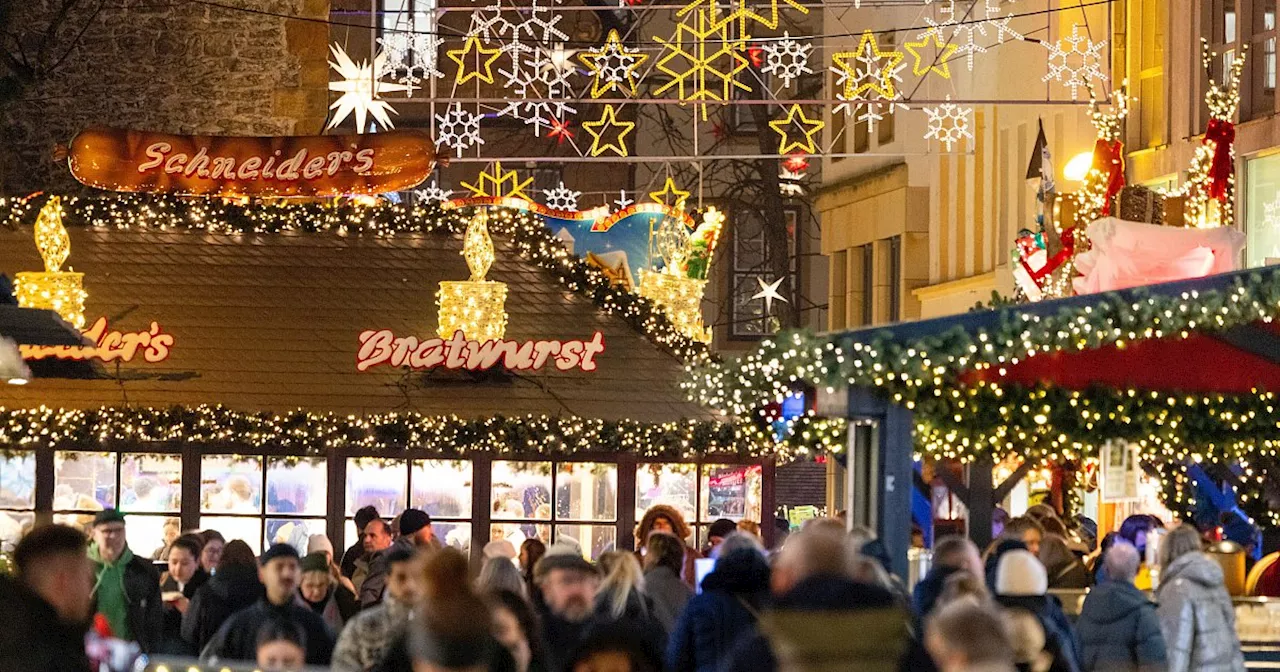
[146,486]
[17,496]
[1262,210]
[568,501]
[264,500]
[701,493]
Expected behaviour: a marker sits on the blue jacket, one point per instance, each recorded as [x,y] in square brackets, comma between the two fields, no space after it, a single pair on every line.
[1119,630]
[713,620]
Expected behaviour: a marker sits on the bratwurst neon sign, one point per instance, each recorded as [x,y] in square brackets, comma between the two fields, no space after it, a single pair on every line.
[384,348]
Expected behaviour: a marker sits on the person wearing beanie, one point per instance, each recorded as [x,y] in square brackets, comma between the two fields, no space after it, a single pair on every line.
[126,587]
[568,584]
[500,549]
[363,517]
[1022,586]
[318,543]
[716,534]
[415,535]
[325,594]
[280,571]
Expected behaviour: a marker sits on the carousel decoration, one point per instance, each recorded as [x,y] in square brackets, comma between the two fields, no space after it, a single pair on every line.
[476,307]
[686,258]
[54,289]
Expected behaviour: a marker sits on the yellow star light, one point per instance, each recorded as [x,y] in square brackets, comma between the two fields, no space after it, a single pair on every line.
[784,127]
[669,189]
[613,66]
[878,79]
[459,56]
[939,65]
[713,60]
[491,184]
[601,127]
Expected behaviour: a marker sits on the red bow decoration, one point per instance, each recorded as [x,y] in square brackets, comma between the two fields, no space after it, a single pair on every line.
[1108,158]
[1222,133]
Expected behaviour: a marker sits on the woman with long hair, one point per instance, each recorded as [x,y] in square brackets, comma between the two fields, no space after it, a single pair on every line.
[621,592]
[1196,614]
[516,627]
[498,574]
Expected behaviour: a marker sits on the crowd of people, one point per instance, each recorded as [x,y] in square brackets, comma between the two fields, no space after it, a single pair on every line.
[825,599]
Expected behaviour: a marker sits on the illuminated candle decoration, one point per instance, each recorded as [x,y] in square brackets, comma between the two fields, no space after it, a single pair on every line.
[678,288]
[476,307]
[54,289]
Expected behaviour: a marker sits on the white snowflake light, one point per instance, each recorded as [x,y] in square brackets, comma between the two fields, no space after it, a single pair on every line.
[544,78]
[948,123]
[1075,61]
[623,202]
[413,52]
[360,87]
[458,129]
[966,28]
[787,59]
[433,194]
[562,198]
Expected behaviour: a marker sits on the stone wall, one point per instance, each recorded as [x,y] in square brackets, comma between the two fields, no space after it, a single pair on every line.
[180,68]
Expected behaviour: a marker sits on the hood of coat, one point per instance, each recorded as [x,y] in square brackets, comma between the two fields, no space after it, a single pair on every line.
[1112,602]
[1194,567]
[741,572]
[239,582]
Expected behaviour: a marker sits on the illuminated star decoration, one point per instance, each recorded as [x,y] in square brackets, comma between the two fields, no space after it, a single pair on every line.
[562,198]
[413,50]
[669,189]
[560,130]
[769,292]
[948,123]
[796,121]
[484,59]
[1062,67]
[458,129]
[360,88]
[875,77]
[787,59]
[433,194]
[939,65]
[492,183]
[613,67]
[603,127]
[711,60]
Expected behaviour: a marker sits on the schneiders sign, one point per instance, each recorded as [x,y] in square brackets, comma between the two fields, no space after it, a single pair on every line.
[109,346]
[384,348]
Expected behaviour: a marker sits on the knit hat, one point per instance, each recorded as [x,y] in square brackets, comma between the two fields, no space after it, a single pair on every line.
[278,551]
[561,556]
[413,520]
[318,543]
[107,516]
[315,562]
[722,528]
[1020,574]
[500,549]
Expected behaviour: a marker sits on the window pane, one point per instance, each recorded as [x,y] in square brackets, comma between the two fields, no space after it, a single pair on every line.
[672,484]
[151,482]
[1262,210]
[349,535]
[586,491]
[146,534]
[377,482]
[297,485]
[231,484]
[295,532]
[12,526]
[80,521]
[18,480]
[521,490]
[516,533]
[246,529]
[84,481]
[731,491]
[454,535]
[592,539]
[442,487]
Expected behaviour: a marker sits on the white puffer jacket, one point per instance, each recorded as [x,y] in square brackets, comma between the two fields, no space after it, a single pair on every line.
[1197,617]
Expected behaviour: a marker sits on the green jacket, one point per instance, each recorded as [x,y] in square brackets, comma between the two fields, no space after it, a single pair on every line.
[127,593]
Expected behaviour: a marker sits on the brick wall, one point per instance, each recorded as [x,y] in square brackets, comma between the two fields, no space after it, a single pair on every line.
[175,67]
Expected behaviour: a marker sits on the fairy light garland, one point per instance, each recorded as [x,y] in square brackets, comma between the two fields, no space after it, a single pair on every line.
[963,421]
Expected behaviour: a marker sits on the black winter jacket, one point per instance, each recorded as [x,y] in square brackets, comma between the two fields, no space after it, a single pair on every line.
[1119,630]
[229,591]
[34,638]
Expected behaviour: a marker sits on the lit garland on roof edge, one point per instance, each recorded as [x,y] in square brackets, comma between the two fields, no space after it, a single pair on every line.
[314,433]
[955,420]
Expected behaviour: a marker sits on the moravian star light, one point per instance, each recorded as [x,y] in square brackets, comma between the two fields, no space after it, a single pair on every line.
[360,89]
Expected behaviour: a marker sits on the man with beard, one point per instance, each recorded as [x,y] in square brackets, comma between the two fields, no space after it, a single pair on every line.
[47,606]
[568,584]
[280,574]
